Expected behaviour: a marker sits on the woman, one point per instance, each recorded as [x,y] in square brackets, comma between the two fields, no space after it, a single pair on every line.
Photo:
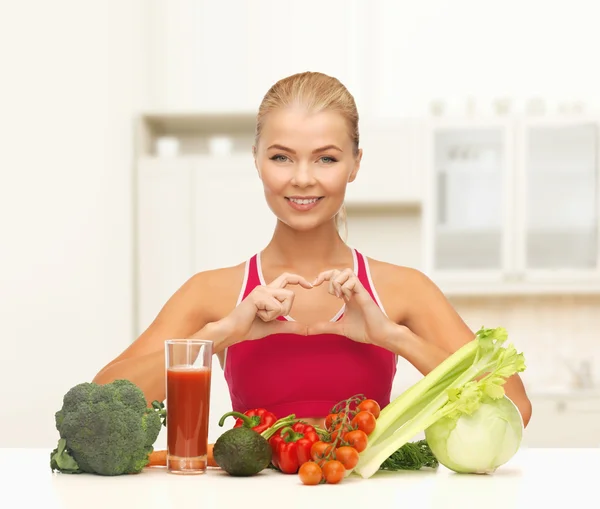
[308,321]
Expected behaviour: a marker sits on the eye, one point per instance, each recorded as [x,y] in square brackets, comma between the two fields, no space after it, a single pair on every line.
[279,158]
[328,160]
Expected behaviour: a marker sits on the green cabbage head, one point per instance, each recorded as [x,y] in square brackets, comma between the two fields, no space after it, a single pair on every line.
[478,443]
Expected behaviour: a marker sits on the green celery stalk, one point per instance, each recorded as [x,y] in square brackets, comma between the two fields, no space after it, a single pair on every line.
[450,387]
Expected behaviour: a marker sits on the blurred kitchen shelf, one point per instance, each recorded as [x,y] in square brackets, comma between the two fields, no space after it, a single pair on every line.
[383,207]
[564,392]
[193,130]
[500,289]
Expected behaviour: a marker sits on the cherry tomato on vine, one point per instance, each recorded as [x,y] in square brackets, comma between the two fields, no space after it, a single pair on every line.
[333,471]
[318,451]
[364,421]
[369,405]
[331,418]
[357,439]
[347,456]
[310,473]
[340,428]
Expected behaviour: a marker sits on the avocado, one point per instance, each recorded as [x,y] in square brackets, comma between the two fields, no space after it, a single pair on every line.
[242,452]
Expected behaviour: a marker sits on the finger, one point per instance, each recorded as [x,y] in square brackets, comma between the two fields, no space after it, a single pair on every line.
[350,286]
[333,289]
[269,308]
[341,279]
[324,276]
[289,279]
[288,327]
[285,297]
[326,327]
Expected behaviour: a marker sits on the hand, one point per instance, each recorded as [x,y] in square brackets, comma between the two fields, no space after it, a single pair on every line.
[363,321]
[256,316]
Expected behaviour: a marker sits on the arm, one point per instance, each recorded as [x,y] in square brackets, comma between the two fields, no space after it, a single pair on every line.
[183,316]
[433,330]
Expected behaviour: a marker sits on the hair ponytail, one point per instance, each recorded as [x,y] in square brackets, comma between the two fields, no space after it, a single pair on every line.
[341,222]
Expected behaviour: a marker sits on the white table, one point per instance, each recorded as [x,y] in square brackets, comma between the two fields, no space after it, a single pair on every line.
[534,478]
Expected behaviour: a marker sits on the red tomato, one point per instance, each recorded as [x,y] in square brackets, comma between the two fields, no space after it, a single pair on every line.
[369,405]
[357,439]
[319,450]
[331,418]
[333,471]
[347,456]
[310,473]
[364,421]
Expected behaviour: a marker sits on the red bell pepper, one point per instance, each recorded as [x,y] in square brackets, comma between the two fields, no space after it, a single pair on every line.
[257,419]
[291,446]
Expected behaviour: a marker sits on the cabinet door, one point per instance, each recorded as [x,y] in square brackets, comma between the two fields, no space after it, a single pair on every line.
[467,212]
[391,168]
[563,422]
[164,227]
[231,218]
[558,205]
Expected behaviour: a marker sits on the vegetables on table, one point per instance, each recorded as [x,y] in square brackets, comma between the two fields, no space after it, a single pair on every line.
[369,405]
[347,456]
[357,439]
[292,446]
[333,471]
[311,474]
[477,443]
[319,450]
[364,421]
[471,376]
[105,429]
[259,419]
[210,456]
[411,456]
[335,456]
[158,458]
[242,452]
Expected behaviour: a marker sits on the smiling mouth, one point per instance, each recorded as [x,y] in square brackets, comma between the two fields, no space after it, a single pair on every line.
[304,201]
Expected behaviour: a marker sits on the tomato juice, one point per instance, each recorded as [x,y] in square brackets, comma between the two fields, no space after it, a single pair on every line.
[188,402]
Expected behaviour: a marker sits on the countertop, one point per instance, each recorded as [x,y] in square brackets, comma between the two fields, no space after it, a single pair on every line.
[533,478]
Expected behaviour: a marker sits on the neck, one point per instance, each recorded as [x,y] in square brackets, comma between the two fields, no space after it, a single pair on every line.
[305,251]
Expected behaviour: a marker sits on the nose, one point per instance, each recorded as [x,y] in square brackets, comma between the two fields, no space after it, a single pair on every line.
[303,175]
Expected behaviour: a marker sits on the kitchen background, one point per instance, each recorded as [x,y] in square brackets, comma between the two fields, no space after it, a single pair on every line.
[125,146]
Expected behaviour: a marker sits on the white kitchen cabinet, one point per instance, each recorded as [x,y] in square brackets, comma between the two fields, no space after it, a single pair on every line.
[391,170]
[558,200]
[163,225]
[200,202]
[231,218]
[567,420]
[513,205]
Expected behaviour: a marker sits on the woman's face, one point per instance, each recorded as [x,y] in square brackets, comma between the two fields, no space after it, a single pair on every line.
[305,160]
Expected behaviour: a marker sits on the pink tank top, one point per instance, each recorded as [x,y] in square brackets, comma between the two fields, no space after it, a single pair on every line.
[288,373]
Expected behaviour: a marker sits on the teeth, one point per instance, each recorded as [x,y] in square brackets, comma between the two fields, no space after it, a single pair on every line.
[304,202]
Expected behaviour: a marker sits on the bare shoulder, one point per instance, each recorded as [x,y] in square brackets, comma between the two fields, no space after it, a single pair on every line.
[216,291]
[400,287]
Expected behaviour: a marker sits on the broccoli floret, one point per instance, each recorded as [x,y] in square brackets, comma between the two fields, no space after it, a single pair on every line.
[105,429]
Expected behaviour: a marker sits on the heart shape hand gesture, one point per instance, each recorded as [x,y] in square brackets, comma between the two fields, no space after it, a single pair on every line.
[362,321]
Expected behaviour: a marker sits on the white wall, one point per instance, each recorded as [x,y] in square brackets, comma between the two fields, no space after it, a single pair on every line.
[225,55]
[394,55]
[74,74]
[72,77]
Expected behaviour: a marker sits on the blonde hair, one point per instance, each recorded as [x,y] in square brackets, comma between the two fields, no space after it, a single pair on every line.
[316,92]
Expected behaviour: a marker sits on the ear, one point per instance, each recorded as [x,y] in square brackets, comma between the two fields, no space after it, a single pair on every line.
[354,172]
[254,154]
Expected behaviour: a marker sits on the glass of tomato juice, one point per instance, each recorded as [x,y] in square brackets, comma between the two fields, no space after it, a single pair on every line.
[188,374]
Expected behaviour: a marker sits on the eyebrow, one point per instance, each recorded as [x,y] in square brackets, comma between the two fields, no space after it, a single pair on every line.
[322,149]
